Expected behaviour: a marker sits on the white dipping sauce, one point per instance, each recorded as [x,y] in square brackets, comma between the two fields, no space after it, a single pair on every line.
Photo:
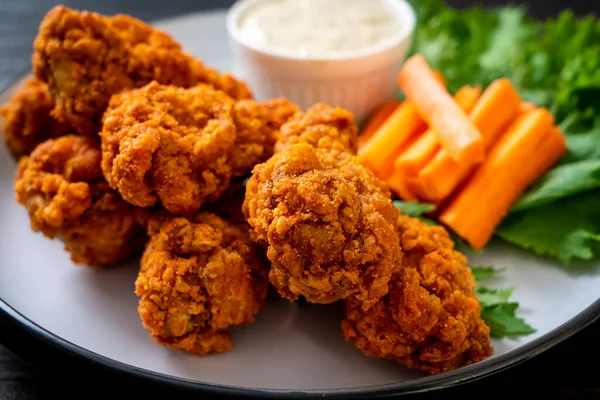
[318,28]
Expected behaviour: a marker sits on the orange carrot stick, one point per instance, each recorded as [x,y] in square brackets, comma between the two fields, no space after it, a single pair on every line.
[378,152]
[514,163]
[417,155]
[376,120]
[552,148]
[397,184]
[497,106]
[456,132]
[414,185]
[526,106]
[399,129]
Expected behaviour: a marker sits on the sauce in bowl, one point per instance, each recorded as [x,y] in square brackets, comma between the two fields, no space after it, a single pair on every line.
[318,28]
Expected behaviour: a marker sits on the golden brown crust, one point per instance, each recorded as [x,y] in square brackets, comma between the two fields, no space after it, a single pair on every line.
[199,275]
[229,205]
[85,58]
[181,147]
[168,144]
[257,127]
[320,126]
[26,118]
[62,188]
[328,223]
[430,319]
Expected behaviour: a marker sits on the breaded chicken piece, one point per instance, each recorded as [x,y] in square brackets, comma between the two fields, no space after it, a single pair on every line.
[257,127]
[321,126]
[62,188]
[85,58]
[199,275]
[181,147]
[229,205]
[430,320]
[329,225]
[168,144]
[26,118]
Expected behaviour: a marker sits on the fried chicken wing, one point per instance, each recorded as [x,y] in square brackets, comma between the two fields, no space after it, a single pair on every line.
[169,144]
[181,147]
[257,127]
[26,118]
[320,126]
[85,58]
[328,224]
[430,318]
[62,188]
[199,275]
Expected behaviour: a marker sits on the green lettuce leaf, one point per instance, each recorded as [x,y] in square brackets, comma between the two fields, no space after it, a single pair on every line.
[565,229]
[560,182]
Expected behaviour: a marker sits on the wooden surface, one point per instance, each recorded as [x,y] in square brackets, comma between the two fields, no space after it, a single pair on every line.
[561,372]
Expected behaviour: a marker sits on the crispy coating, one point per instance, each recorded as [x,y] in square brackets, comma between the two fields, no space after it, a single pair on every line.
[26,118]
[181,147]
[62,188]
[430,319]
[257,127]
[170,145]
[85,58]
[229,205]
[320,126]
[329,225]
[198,276]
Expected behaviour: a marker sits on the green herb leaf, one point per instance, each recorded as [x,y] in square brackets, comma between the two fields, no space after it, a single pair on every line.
[493,297]
[502,321]
[496,310]
[562,181]
[565,229]
[413,208]
[582,146]
[482,272]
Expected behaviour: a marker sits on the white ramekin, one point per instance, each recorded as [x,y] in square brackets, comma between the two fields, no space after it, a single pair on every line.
[358,82]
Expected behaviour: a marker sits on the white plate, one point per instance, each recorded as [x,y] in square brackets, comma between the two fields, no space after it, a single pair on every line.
[288,349]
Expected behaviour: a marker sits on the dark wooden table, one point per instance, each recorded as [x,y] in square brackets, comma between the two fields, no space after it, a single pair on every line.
[561,372]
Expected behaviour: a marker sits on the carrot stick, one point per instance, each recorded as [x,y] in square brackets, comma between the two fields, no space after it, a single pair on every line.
[514,163]
[526,106]
[456,132]
[382,148]
[466,97]
[378,152]
[414,185]
[497,106]
[376,120]
[552,148]
[417,155]
[397,183]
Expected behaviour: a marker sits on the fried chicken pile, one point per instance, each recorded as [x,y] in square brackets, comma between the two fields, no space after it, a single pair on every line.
[129,146]
[26,118]
[61,186]
[430,318]
[85,58]
[198,276]
[178,136]
[327,220]
[180,147]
